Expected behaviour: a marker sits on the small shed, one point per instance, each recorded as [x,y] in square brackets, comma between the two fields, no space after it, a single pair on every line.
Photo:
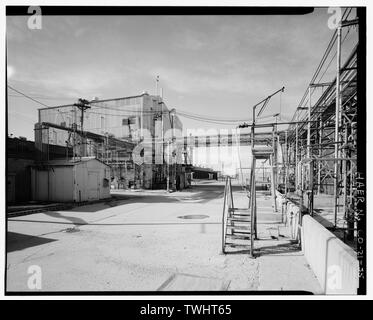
[84,179]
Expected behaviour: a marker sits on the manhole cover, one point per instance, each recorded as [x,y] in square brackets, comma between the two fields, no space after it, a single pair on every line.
[194,216]
[71,230]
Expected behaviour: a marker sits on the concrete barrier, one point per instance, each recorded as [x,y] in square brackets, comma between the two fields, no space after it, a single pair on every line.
[334,263]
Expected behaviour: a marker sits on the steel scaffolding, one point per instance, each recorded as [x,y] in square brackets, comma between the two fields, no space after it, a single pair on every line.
[320,146]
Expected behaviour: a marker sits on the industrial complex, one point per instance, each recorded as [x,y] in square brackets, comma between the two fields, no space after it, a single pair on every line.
[146,205]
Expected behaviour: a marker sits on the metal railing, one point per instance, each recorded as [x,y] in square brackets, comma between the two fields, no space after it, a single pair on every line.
[227,205]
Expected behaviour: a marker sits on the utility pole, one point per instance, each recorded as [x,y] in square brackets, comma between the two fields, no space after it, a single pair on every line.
[82,105]
[172,120]
[74,134]
[162,144]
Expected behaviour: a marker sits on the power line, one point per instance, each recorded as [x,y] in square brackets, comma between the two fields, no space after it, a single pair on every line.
[28,97]
[179,113]
[40,97]
[25,95]
[323,59]
[335,53]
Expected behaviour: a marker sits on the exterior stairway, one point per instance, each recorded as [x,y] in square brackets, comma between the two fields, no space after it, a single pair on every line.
[237,224]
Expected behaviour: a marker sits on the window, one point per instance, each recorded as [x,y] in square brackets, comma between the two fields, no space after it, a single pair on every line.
[125,122]
[102,122]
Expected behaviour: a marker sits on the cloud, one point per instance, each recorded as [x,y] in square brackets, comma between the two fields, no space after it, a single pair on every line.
[191,41]
[80,31]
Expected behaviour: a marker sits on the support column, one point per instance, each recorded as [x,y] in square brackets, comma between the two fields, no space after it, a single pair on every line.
[336,133]
[309,124]
[273,190]
[309,166]
[286,162]
[296,155]
[320,154]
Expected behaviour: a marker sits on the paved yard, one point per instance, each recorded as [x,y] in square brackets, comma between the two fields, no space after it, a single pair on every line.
[138,242]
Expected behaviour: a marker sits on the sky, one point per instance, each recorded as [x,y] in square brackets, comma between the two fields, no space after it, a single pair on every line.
[217,66]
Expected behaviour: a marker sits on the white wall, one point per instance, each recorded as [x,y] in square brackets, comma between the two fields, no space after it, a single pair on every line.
[103,172]
[60,184]
[89,177]
[334,263]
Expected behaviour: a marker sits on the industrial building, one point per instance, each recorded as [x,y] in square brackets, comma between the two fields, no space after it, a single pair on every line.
[278,200]
[110,129]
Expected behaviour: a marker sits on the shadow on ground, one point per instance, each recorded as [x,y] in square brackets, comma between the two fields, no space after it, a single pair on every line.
[19,241]
[76,221]
[279,249]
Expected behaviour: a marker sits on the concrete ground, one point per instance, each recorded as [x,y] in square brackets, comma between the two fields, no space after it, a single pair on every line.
[140,242]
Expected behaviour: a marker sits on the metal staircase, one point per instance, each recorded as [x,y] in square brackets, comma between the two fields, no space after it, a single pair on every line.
[240,224]
[237,224]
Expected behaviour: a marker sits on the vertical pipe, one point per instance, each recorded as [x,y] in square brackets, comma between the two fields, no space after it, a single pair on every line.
[344,173]
[274,169]
[253,132]
[296,154]
[48,168]
[252,162]
[286,162]
[301,181]
[168,166]
[252,206]
[320,154]
[309,124]
[273,192]
[336,133]
[310,163]
[163,144]
[174,168]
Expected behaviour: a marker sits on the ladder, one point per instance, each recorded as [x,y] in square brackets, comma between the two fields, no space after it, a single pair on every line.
[237,225]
